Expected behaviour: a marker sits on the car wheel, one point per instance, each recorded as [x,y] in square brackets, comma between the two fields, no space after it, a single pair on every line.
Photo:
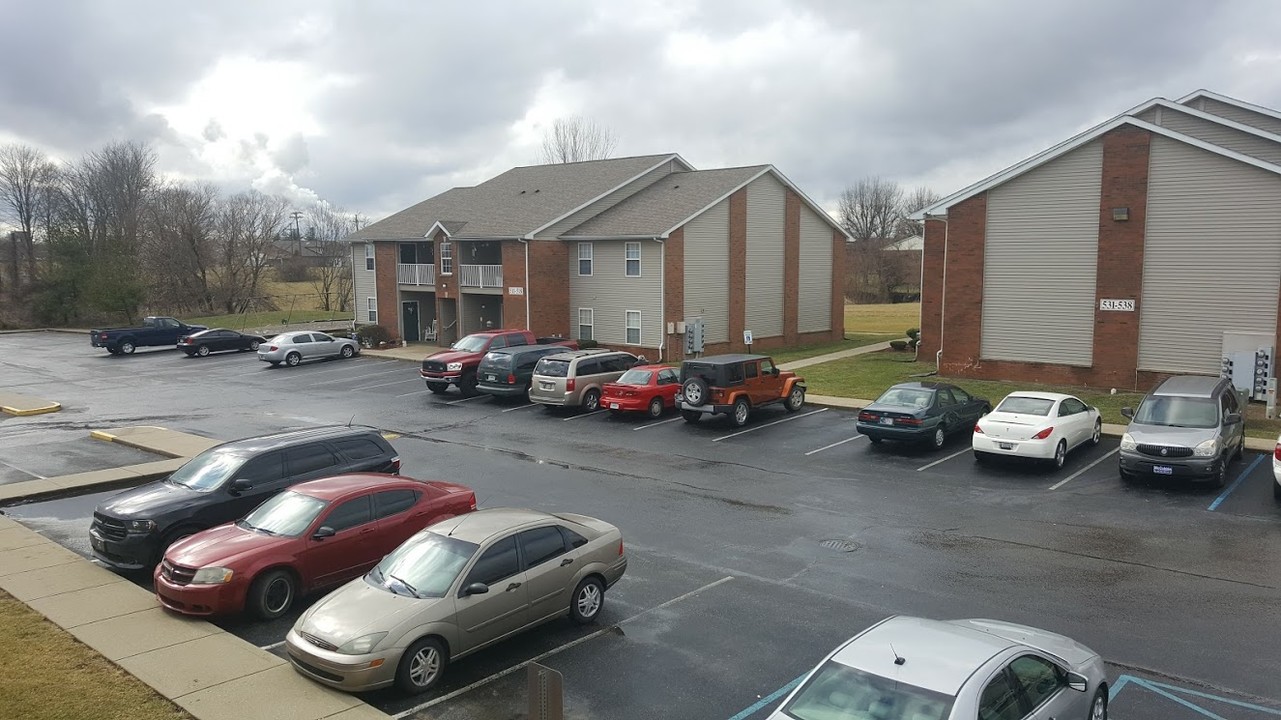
[1099,706]
[438,388]
[1060,455]
[656,407]
[1097,436]
[588,599]
[795,399]
[272,594]
[1240,449]
[347,351]
[421,666]
[591,401]
[1220,478]
[695,391]
[691,416]
[292,359]
[939,437]
[253,346]
[741,411]
[467,384]
[127,348]
[202,350]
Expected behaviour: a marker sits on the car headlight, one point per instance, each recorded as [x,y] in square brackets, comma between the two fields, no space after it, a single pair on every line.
[363,644]
[1207,449]
[212,576]
[1127,442]
[454,367]
[140,526]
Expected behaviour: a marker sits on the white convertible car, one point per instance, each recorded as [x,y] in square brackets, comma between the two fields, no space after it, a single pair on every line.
[1042,426]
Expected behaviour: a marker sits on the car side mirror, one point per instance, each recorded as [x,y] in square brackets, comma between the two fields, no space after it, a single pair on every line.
[774,372]
[1078,682]
[323,532]
[239,486]
[1127,412]
[1232,418]
[476,588]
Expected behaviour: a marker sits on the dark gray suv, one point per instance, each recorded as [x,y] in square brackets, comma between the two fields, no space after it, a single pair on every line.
[1188,427]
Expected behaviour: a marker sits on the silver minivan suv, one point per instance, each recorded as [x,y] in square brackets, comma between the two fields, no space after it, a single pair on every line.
[1188,427]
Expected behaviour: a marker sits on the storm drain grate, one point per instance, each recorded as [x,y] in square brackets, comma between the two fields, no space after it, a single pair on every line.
[841,545]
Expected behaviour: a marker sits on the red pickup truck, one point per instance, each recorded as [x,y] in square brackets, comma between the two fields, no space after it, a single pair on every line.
[457,365]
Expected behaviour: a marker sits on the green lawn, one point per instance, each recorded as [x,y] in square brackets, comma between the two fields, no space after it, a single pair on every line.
[893,318]
[866,377]
[272,317]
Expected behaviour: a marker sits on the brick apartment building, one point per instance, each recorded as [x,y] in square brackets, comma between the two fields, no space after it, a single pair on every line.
[1120,256]
[622,251]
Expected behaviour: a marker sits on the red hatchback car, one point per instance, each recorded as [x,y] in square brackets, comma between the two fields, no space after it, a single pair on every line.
[645,388]
[314,535]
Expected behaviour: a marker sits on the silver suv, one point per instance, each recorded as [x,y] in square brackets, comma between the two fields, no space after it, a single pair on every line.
[1189,427]
[575,378]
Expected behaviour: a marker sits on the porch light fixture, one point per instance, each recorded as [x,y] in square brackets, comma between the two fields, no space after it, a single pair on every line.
[1121,214]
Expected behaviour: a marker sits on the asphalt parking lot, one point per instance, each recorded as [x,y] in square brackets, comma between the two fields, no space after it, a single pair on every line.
[753,551]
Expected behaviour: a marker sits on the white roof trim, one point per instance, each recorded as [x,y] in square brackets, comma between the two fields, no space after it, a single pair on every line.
[783,179]
[674,156]
[1230,101]
[432,230]
[1219,119]
[1075,142]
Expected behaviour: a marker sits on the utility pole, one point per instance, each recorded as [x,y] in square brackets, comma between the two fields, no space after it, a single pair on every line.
[296,215]
[355,222]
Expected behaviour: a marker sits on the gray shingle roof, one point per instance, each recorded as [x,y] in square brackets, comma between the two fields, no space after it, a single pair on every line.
[666,203]
[514,203]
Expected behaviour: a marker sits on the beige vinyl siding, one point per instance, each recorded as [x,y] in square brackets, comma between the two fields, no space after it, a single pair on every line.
[613,199]
[1222,135]
[1211,258]
[764,308]
[610,293]
[363,281]
[1150,115]
[1039,262]
[814,292]
[1241,115]
[707,271]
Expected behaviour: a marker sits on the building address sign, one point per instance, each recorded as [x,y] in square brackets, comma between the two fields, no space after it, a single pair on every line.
[1121,305]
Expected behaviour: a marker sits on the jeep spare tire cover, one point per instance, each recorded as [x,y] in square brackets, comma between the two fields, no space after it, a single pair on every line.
[695,391]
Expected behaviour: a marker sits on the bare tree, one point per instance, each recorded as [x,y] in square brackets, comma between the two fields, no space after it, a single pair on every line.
[332,279]
[245,227]
[576,139]
[871,210]
[178,241]
[919,197]
[25,176]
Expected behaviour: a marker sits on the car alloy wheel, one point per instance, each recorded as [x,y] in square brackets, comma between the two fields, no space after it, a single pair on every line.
[693,392]
[1098,432]
[1099,708]
[795,399]
[346,351]
[588,598]
[655,407]
[741,412]
[1060,454]
[292,359]
[126,348]
[254,346]
[591,401]
[202,351]
[940,437]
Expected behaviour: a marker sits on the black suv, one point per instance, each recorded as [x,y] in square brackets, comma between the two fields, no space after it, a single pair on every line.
[131,530]
[507,372]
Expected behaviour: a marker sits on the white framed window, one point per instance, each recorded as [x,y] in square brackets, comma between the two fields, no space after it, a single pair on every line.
[633,253]
[584,258]
[369,256]
[586,320]
[633,327]
[446,257]
[371,306]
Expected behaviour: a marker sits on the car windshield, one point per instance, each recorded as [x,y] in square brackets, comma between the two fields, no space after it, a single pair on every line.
[1172,411]
[207,471]
[1025,405]
[496,360]
[471,343]
[839,692]
[288,514]
[907,397]
[425,566]
[552,368]
[636,377]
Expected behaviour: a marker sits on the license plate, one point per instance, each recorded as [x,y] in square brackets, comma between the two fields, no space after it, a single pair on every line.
[491,378]
[887,421]
[97,544]
[613,406]
[1005,446]
[1162,469]
[546,385]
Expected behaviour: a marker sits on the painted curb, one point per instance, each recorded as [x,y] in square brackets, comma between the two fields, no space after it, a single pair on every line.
[54,494]
[24,412]
[102,435]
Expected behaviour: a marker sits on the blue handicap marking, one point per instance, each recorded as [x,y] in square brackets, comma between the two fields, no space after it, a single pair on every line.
[1199,704]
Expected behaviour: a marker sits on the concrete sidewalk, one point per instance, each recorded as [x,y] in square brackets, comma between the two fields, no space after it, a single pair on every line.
[12,403]
[209,673]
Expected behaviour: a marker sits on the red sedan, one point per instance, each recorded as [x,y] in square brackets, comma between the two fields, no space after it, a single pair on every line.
[314,535]
[646,388]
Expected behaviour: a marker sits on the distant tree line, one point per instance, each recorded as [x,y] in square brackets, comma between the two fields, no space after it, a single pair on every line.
[874,211]
[106,235]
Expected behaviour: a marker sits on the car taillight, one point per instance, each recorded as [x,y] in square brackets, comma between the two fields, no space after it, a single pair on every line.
[914,422]
[1044,433]
[978,430]
[511,379]
[102,336]
[395,464]
[473,502]
[1277,453]
[620,547]
[273,348]
[866,417]
[569,384]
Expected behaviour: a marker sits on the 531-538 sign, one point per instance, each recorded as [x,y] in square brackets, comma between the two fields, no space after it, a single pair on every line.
[1120,305]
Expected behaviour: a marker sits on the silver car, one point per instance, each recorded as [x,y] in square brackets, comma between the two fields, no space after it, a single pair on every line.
[292,348]
[1189,427]
[906,668]
[456,587]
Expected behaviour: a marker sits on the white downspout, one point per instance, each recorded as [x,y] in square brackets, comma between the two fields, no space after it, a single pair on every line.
[938,357]
[526,244]
[662,297]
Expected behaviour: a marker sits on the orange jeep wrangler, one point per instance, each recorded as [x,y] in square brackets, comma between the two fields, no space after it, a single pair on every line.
[734,384]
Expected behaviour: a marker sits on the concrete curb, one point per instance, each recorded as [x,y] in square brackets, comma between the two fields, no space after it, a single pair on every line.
[12,403]
[26,411]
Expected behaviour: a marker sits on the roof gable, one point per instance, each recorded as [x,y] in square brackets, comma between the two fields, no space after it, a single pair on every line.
[1191,97]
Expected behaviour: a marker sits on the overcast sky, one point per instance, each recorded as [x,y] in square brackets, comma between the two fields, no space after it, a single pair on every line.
[374,106]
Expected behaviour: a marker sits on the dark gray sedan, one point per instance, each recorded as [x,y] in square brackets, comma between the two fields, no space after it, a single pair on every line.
[921,412]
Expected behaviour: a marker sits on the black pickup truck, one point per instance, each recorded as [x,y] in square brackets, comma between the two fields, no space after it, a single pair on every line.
[154,331]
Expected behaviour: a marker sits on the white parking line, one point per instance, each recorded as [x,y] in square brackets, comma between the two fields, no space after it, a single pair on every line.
[761,427]
[416,392]
[393,382]
[466,399]
[554,651]
[272,646]
[575,417]
[1076,474]
[940,461]
[365,376]
[520,407]
[656,424]
[38,476]
[829,447]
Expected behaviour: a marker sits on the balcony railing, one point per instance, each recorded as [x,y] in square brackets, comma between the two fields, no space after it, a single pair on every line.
[415,274]
[481,276]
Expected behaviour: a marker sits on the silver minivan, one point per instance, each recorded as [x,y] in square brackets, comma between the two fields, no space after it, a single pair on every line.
[1188,427]
[575,378]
